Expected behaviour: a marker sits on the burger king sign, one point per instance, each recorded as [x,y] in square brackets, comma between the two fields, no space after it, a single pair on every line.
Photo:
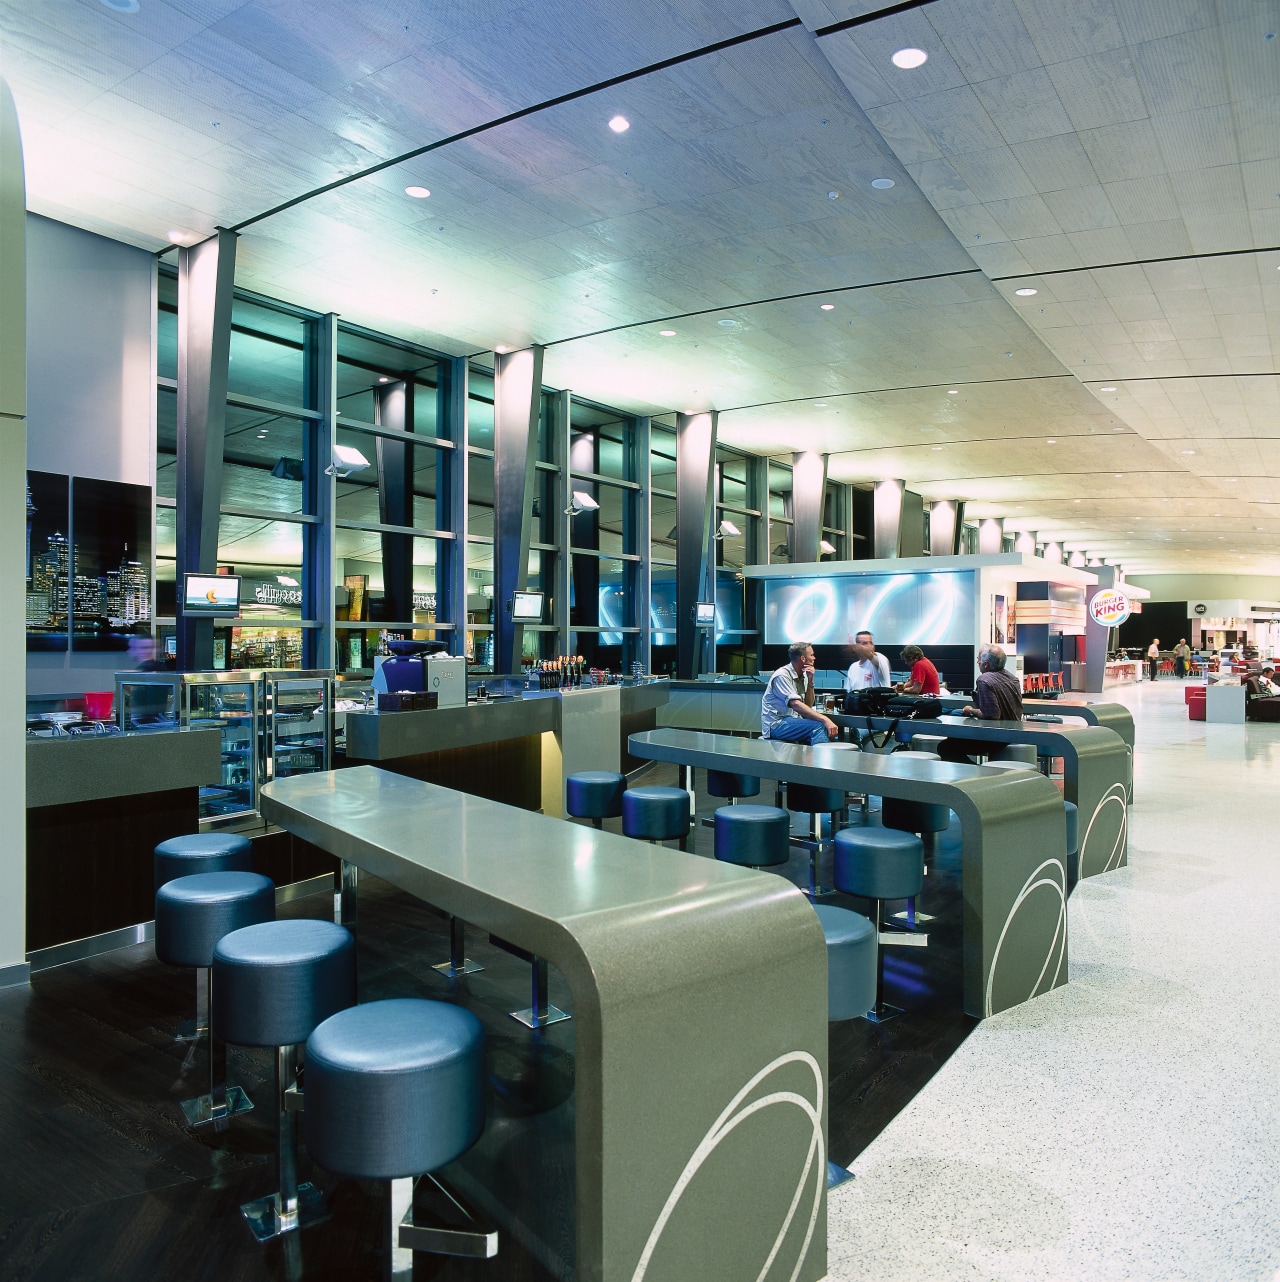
[1109,608]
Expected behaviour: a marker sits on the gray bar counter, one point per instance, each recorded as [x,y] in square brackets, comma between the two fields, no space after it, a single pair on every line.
[700,1005]
[1013,833]
[1110,716]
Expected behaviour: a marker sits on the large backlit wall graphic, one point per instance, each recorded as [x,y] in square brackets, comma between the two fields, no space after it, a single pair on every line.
[900,609]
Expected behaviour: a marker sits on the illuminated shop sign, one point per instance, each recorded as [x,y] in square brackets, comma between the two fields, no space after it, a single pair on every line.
[900,609]
[273,594]
[1109,608]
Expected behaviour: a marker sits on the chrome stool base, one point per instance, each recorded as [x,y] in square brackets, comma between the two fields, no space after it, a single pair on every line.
[452,1229]
[882,1012]
[459,963]
[540,1019]
[201,1110]
[266,1221]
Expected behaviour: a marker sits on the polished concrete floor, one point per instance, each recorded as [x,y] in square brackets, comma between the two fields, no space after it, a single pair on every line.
[1126,1126]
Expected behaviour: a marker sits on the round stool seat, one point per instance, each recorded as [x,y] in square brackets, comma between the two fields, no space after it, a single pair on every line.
[927,742]
[721,783]
[807,799]
[755,836]
[394,1088]
[202,852]
[1018,752]
[851,961]
[917,754]
[1073,827]
[914,816]
[193,913]
[1011,765]
[655,814]
[594,794]
[274,982]
[879,863]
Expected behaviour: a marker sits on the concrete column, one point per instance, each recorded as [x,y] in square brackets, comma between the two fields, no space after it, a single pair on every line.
[991,536]
[946,520]
[451,589]
[808,493]
[13,539]
[644,542]
[1053,553]
[517,383]
[1096,635]
[1077,559]
[695,470]
[1025,542]
[887,518]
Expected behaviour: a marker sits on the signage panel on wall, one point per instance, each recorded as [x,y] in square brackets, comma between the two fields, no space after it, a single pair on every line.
[900,609]
[1109,608]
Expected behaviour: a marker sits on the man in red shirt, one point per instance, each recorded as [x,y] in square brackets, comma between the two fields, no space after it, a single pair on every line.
[924,676]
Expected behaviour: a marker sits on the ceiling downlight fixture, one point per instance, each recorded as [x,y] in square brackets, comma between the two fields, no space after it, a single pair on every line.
[909,59]
[1025,293]
[619,124]
[882,184]
[667,333]
[418,193]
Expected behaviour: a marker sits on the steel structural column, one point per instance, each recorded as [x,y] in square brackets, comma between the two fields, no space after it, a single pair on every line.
[644,541]
[320,645]
[887,527]
[808,494]
[393,407]
[695,460]
[454,415]
[563,590]
[946,523]
[991,536]
[517,383]
[1097,635]
[206,280]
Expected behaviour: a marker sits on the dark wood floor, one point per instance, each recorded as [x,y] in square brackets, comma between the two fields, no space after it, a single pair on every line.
[100,1180]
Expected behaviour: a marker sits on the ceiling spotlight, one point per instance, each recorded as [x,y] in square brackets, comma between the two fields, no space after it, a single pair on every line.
[581,502]
[882,184]
[820,405]
[177,237]
[1075,500]
[1106,389]
[667,333]
[827,547]
[1188,451]
[1025,293]
[346,459]
[619,124]
[953,391]
[1119,475]
[909,59]
[936,447]
[418,193]
[501,349]
[384,379]
[727,530]
[828,307]
[1051,441]
[833,195]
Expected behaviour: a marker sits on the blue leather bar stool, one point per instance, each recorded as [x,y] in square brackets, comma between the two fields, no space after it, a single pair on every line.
[815,802]
[395,1090]
[927,742]
[202,852]
[753,836]
[1000,763]
[595,795]
[192,914]
[656,814]
[851,978]
[1017,752]
[880,864]
[916,816]
[273,983]
[730,786]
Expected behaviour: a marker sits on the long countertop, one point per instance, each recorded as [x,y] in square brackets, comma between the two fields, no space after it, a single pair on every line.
[64,771]
[682,971]
[383,736]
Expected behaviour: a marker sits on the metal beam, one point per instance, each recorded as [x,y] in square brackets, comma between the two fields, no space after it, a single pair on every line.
[319,645]
[644,542]
[517,384]
[808,494]
[454,376]
[393,407]
[946,522]
[206,281]
[695,466]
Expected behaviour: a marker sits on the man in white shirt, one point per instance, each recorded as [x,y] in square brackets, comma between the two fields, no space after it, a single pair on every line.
[1153,657]
[869,670]
[786,711]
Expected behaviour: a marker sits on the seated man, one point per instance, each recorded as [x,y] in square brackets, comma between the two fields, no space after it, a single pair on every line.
[924,676]
[998,696]
[786,711]
[1267,687]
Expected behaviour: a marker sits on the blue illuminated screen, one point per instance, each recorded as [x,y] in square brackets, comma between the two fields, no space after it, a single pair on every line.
[899,609]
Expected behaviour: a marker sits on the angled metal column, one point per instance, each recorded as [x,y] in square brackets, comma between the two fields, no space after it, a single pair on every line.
[644,542]
[393,407]
[451,586]
[517,382]
[991,535]
[808,492]
[888,517]
[946,520]
[319,645]
[563,590]
[206,277]
[695,460]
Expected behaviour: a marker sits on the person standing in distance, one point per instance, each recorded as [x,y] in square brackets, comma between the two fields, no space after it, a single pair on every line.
[1153,657]
[786,711]
[869,670]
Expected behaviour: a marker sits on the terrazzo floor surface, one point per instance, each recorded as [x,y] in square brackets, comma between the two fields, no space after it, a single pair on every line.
[1126,1125]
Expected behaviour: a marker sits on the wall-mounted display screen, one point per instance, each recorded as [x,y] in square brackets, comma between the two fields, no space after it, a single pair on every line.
[899,609]
[526,607]
[211,594]
[705,614]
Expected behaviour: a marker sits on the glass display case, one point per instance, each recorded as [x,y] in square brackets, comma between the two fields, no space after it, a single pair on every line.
[232,707]
[299,739]
[148,700]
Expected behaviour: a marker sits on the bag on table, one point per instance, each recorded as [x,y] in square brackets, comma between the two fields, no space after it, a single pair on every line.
[912,707]
[881,742]
[867,703]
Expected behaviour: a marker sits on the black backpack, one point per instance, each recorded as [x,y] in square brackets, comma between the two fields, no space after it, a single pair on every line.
[868,703]
[913,707]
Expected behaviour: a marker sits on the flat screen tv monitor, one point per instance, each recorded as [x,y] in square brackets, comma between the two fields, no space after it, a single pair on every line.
[526,607]
[705,616]
[211,595]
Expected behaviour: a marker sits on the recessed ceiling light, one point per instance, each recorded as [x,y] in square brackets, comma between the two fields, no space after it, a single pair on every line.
[667,333]
[1075,500]
[833,195]
[828,307]
[820,405]
[882,184]
[384,379]
[501,349]
[909,59]
[937,447]
[953,391]
[619,124]
[1119,475]
[1106,389]
[1188,451]
[1231,480]
[177,237]
[418,193]
[1025,293]
[123,6]
[727,324]
[1051,441]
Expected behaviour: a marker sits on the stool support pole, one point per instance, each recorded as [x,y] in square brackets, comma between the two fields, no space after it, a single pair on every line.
[222,1101]
[397,1260]
[540,1012]
[881,1011]
[348,897]
[459,963]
